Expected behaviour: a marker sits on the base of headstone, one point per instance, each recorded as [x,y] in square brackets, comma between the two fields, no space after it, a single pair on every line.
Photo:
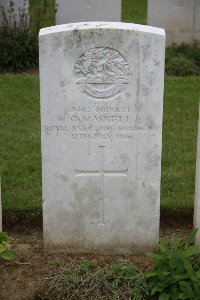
[111,250]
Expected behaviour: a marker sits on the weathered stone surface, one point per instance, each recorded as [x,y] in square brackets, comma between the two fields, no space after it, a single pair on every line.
[101,118]
[71,11]
[197,190]
[19,7]
[180,19]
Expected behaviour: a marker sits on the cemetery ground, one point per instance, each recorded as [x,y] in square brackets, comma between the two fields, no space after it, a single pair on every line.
[21,180]
[25,278]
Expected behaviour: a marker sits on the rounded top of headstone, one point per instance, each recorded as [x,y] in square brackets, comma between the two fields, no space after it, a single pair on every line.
[101,25]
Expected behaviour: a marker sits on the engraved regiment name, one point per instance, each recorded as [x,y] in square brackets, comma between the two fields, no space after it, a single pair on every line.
[98,123]
[101,73]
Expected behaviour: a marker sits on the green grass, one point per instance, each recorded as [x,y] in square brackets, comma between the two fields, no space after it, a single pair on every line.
[20,142]
[179,141]
[134,11]
[49,18]
[85,280]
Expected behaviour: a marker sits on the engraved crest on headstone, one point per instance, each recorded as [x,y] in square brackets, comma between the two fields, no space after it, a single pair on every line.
[101,73]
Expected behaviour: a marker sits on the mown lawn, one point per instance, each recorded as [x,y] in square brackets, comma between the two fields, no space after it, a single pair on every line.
[20,142]
[180,125]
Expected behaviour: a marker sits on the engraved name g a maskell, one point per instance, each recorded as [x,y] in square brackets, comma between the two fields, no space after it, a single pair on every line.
[101,73]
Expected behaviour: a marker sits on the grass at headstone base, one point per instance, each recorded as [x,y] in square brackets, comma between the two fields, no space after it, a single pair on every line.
[20,143]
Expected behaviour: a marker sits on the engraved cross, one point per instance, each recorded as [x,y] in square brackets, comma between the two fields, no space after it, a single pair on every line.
[102,173]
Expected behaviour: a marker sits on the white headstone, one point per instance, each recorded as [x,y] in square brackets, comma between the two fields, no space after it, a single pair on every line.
[101,118]
[87,10]
[197,190]
[13,12]
[180,19]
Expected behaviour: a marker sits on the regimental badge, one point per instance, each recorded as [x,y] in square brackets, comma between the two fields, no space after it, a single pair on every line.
[101,73]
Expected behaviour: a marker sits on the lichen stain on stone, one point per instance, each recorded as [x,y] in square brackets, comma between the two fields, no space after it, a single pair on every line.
[42,45]
[156,62]
[151,195]
[82,37]
[77,36]
[128,95]
[64,83]
[88,199]
[152,160]
[90,191]
[150,123]
[64,178]
[146,52]
[145,90]
[150,81]
[56,42]
[139,106]
[74,186]
[124,158]
[128,193]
